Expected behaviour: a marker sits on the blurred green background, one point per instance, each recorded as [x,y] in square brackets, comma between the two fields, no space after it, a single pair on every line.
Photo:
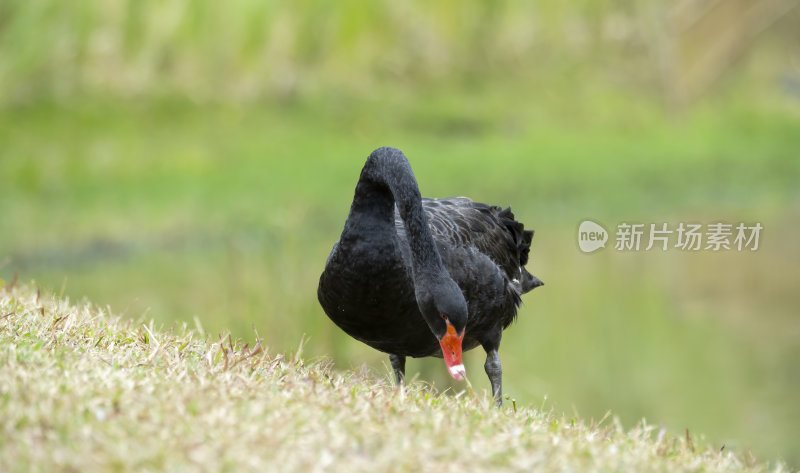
[185,159]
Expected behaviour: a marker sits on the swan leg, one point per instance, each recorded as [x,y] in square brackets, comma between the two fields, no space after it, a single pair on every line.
[399,366]
[495,373]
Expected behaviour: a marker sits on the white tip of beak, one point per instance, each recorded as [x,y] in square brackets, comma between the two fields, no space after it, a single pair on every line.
[458,372]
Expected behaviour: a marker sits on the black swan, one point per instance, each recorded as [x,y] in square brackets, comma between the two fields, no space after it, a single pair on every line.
[425,277]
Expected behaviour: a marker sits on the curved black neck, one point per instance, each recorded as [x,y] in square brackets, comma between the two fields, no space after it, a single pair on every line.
[387,179]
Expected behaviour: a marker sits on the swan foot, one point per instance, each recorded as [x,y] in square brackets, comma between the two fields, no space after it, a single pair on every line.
[495,373]
[399,366]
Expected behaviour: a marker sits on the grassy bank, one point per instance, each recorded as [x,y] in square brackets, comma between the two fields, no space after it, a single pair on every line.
[86,391]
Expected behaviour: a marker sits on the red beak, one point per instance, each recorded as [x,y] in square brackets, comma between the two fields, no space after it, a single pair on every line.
[451,351]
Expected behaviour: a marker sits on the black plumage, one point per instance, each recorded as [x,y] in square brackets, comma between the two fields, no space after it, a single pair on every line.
[425,277]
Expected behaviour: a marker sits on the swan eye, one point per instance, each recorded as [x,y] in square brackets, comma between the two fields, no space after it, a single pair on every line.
[444,317]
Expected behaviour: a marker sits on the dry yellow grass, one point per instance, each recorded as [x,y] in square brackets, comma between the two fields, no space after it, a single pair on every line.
[83,390]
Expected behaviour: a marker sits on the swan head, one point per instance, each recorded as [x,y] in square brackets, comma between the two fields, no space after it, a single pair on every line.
[444,308]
